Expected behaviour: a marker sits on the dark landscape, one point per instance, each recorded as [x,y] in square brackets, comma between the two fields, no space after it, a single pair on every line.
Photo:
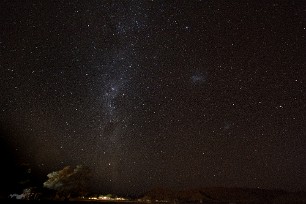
[204,195]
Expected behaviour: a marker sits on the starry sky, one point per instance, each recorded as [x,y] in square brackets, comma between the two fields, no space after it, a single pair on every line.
[179,94]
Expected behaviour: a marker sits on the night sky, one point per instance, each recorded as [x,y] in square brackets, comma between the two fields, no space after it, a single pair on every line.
[178,94]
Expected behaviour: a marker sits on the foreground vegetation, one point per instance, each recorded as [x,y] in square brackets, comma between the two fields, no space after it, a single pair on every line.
[71,184]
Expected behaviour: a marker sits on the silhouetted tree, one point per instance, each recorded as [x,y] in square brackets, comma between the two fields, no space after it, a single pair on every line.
[69,182]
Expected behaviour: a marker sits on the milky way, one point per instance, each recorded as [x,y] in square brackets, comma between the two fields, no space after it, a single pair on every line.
[153,93]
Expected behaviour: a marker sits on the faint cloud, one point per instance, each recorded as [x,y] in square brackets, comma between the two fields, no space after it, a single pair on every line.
[198,78]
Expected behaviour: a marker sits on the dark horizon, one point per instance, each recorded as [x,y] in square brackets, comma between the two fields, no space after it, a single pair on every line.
[156,94]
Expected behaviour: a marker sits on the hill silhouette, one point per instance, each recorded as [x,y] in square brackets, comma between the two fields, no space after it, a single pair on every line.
[221,194]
